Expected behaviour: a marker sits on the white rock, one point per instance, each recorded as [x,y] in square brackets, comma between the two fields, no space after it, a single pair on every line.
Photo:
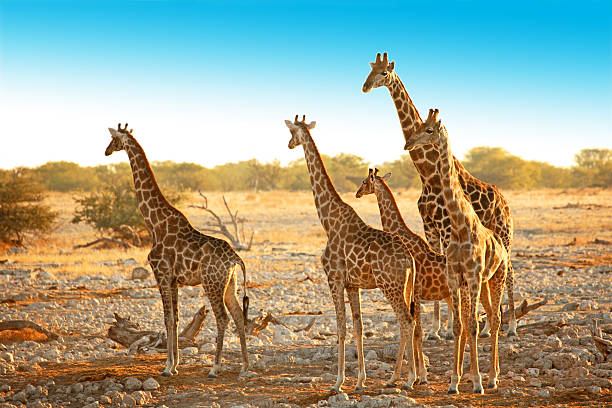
[52,354]
[150,384]
[7,356]
[371,355]
[140,273]
[341,397]
[132,384]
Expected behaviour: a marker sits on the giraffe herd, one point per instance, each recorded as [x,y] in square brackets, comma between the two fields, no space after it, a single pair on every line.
[464,258]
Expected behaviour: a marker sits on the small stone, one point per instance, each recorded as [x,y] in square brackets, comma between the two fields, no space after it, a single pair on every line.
[341,397]
[141,397]
[76,388]
[568,307]
[52,354]
[129,401]
[7,356]
[594,389]
[140,273]
[371,355]
[132,384]
[150,384]
[533,372]
[534,382]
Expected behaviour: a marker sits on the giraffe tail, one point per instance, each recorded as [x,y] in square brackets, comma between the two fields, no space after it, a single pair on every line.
[245,298]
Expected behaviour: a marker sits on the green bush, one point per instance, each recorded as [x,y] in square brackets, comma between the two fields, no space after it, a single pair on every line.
[113,210]
[21,210]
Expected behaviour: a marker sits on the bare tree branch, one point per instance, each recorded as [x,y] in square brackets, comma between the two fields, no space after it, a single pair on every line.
[219,227]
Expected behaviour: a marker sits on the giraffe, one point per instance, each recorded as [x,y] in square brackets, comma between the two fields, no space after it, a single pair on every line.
[181,255]
[357,257]
[430,277]
[488,202]
[475,259]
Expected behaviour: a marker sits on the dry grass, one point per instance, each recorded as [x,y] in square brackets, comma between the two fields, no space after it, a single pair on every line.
[289,219]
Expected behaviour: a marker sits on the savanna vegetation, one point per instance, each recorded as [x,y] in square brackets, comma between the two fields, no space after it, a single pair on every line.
[105,199]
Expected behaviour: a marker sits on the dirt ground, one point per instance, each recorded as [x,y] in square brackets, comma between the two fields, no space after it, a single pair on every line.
[562,252]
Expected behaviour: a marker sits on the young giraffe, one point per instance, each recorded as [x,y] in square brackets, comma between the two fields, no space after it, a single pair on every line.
[430,279]
[181,255]
[356,257]
[474,258]
[489,204]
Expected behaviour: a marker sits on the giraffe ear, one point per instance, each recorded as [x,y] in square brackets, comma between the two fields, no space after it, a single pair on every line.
[289,124]
[372,64]
[386,177]
[112,131]
[311,125]
[391,66]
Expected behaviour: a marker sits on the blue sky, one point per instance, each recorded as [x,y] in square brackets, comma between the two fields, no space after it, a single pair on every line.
[213,81]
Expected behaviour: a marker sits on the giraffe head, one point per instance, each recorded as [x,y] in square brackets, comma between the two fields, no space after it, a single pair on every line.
[381,74]
[119,136]
[427,133]
[371,183]
[299,130]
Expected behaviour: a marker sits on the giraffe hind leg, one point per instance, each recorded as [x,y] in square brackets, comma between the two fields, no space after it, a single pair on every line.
[231,301]
[215,296]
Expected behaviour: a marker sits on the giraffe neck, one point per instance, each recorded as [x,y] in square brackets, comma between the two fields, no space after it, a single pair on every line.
[148,194]
[393,221]
[459,209]
[325,195]
[424,157]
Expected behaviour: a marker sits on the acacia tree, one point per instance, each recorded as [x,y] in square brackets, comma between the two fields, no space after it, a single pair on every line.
[21,208]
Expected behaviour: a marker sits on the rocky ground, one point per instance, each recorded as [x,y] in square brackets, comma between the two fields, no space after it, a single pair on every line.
[553,362]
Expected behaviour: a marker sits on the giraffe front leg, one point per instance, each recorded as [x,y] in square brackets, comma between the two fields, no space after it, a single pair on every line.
[166,296]
[473,336]
[418,343]
[434,334]
[337,291]
[457,332]
[174,331]
[355,302]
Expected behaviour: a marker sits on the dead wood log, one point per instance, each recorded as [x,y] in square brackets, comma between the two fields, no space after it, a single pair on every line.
[255,326]
[122,244]
[238,240]
[129,334]
[26,324]
[603,345]
[522,310]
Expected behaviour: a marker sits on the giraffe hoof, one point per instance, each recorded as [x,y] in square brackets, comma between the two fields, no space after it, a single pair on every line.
[478,390]
[212,375]
[335,390]
[484,335]
[449,336]
[390,384]
[512,334]
[452,392]
[407,387]
[166,374]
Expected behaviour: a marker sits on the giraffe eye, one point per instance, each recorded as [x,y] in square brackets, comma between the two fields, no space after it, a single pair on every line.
[384,73]
[429,130]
